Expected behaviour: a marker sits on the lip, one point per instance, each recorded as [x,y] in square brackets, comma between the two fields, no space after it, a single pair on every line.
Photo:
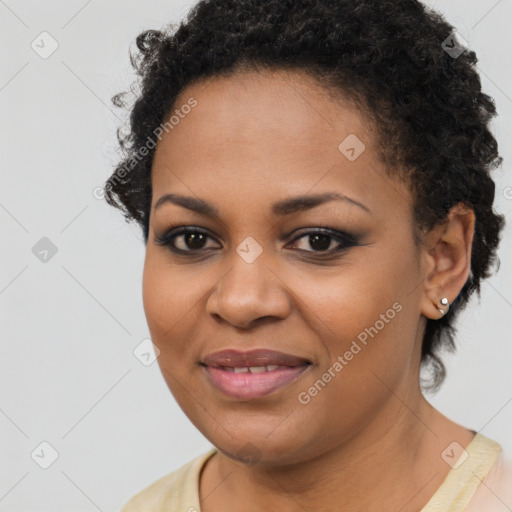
[285,369]
[258,357]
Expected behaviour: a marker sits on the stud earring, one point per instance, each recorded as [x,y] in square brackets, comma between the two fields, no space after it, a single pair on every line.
[444,302]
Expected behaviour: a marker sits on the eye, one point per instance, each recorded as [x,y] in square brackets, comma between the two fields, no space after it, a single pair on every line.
[191,239]
[321,241]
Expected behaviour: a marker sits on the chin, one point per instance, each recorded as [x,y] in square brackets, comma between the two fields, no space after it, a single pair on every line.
[253,445]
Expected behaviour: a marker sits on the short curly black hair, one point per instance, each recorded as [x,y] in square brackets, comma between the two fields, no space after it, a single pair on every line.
[398,59]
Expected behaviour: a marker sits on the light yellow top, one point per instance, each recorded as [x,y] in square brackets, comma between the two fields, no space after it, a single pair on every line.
[480,481]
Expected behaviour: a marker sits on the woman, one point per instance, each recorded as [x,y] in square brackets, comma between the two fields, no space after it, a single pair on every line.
[313,183]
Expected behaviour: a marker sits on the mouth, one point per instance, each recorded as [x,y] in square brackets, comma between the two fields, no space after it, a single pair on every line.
[254,374]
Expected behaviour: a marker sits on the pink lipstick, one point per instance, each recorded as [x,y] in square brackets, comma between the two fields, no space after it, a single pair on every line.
[253,374]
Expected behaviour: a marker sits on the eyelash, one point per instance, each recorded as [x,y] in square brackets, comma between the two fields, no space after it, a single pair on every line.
[345,239]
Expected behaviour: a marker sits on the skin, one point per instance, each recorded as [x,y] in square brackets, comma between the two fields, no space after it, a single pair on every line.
[369,440]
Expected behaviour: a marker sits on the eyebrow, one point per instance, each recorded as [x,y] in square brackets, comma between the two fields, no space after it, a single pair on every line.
[281,208]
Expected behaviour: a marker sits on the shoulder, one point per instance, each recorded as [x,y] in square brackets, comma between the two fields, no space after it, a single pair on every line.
[494,494]
[178,490]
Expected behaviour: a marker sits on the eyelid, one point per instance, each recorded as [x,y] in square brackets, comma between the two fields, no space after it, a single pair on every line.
[324,230]
[176,231]
[344,238]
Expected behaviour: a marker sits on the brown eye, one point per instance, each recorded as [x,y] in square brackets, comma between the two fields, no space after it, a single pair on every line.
[185,240]
[321,241]
[192,240]
[318,242]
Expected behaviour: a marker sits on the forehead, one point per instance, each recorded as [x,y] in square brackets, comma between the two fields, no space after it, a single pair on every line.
[267,133]
[270,109]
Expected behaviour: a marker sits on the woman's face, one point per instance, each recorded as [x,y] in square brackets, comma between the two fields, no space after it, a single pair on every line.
[345,309]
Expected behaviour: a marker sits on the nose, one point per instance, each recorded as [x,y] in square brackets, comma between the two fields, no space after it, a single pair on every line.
[249,293]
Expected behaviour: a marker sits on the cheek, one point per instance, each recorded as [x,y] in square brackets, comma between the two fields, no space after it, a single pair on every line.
[169,295]
[348,299]
[366,359]
[170,301]
[156,297]
[165,305]
[364,313]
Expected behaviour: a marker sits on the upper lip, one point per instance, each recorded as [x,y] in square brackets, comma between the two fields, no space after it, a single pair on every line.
[258,357]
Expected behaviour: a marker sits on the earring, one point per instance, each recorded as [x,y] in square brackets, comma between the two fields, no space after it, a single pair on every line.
[444,302]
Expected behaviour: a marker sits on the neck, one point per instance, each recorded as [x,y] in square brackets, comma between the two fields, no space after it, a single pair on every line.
[393,464]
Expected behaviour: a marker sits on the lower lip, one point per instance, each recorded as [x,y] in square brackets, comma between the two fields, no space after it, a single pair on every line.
[248,386]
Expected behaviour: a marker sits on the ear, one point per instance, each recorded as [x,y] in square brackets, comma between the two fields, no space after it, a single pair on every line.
[447,260]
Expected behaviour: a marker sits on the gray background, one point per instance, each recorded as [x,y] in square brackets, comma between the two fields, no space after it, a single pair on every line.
[69,325]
